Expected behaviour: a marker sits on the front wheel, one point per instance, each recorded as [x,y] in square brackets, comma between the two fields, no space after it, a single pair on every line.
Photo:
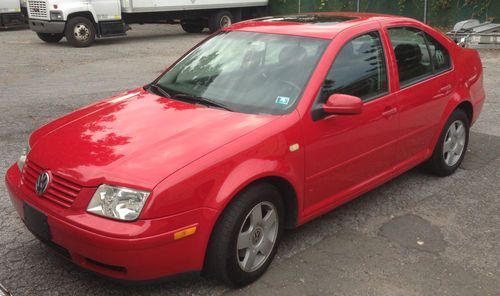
[80,32]
[50,38]
[452,145]
[246,237]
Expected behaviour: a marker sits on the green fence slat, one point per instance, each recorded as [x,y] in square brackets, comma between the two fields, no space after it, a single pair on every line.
[441,13]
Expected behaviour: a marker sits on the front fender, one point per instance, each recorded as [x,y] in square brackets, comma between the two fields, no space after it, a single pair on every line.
[69,8]
[213,180]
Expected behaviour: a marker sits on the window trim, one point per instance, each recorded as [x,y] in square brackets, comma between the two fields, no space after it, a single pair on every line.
[420,78]
[316,115]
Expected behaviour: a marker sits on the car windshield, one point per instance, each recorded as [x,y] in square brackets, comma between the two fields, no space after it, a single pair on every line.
[246,72]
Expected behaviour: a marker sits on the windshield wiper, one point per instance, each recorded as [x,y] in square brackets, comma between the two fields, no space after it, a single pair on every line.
[159,90]
[201,100]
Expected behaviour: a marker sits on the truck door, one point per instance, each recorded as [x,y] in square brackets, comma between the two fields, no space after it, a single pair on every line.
[106,10]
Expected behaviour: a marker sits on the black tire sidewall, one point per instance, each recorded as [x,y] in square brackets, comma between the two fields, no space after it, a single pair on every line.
[192,27]
[437,163]
[214,20]
[70,28]
[232,273]
[50,38]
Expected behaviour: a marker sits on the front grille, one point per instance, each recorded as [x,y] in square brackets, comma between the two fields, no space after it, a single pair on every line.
[37,8]
[60,191]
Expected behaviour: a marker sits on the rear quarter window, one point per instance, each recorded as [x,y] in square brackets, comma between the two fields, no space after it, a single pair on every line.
[439,55]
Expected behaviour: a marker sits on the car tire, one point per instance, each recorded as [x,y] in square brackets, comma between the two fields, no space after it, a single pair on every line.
[219,20]
[80,32]
[192,27]
[242,234]
[50,38]
[452,145]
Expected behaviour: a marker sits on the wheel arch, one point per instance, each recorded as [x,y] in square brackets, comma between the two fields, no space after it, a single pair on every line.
[288,195]
[285,188]
[86,14]
[455,103]
[467,107]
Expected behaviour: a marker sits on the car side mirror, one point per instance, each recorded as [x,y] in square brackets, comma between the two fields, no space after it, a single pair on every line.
[341,104]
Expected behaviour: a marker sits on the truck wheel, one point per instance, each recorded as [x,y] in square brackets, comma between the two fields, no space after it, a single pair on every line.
[80,32]
[219,20]
[50,38]
[192,27]
[246,236]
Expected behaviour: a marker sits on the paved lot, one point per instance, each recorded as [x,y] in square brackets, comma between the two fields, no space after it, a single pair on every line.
[417,235]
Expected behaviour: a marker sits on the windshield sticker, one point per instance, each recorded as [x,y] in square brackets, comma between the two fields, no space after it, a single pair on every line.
[282,100]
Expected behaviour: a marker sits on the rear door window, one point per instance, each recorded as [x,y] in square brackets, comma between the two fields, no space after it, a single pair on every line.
[412,54]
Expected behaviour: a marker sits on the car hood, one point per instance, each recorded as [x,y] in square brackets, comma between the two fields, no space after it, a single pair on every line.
[137,138]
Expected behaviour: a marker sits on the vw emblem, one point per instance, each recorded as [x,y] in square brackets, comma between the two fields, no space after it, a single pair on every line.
[42,182]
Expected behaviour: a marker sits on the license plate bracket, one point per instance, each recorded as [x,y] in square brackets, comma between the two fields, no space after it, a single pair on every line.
[36,222]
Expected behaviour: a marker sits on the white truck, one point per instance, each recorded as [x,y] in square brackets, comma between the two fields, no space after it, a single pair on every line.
[81,21]
[11,14]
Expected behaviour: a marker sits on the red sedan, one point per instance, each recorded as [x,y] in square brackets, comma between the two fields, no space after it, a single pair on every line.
[262,127]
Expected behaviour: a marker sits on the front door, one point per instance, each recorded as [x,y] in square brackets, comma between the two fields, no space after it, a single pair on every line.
[345,152]
[106,10]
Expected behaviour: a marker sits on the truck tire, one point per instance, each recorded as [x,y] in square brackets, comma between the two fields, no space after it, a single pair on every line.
[192,27]
[219,20]
[50,38]
[80,32]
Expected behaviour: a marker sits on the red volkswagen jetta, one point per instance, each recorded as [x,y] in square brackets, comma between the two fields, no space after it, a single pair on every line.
[261,127]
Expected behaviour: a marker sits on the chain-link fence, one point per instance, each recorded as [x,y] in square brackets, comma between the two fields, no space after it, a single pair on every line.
[438,13]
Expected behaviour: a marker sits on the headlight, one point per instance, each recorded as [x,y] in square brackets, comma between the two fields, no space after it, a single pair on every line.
[117,202]
[22,158]
[56,15]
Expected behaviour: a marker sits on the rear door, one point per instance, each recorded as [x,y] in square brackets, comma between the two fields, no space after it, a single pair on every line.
[426,84]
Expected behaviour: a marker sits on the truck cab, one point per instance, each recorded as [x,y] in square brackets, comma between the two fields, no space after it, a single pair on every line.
[11,14]
[82,21]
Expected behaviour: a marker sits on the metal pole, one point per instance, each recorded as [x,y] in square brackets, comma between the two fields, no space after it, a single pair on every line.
[425,10]
[299,6]
[357,6]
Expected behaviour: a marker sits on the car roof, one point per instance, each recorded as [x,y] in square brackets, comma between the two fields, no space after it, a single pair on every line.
[320,25]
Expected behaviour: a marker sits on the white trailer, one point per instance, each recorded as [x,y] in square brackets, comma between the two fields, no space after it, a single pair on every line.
[81,21]
[11,14]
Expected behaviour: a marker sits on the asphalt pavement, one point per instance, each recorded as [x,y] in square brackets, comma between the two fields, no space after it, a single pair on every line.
[416,235]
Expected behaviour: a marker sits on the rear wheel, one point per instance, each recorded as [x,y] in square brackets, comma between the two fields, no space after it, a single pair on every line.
[452,145]
[220,20]
[50,38]
[192,27]
[80,32]
[246,237]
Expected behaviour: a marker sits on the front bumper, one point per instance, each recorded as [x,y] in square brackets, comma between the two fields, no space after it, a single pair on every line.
[134,251]
[12,20]
[41,26]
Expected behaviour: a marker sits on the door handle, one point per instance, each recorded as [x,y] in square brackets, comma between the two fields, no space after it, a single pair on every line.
[443,91]
[389,111]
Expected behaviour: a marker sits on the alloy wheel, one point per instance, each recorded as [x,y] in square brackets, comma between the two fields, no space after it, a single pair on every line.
[257,236]
[454,143]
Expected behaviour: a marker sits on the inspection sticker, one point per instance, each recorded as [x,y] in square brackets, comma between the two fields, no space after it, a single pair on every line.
[282,100]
